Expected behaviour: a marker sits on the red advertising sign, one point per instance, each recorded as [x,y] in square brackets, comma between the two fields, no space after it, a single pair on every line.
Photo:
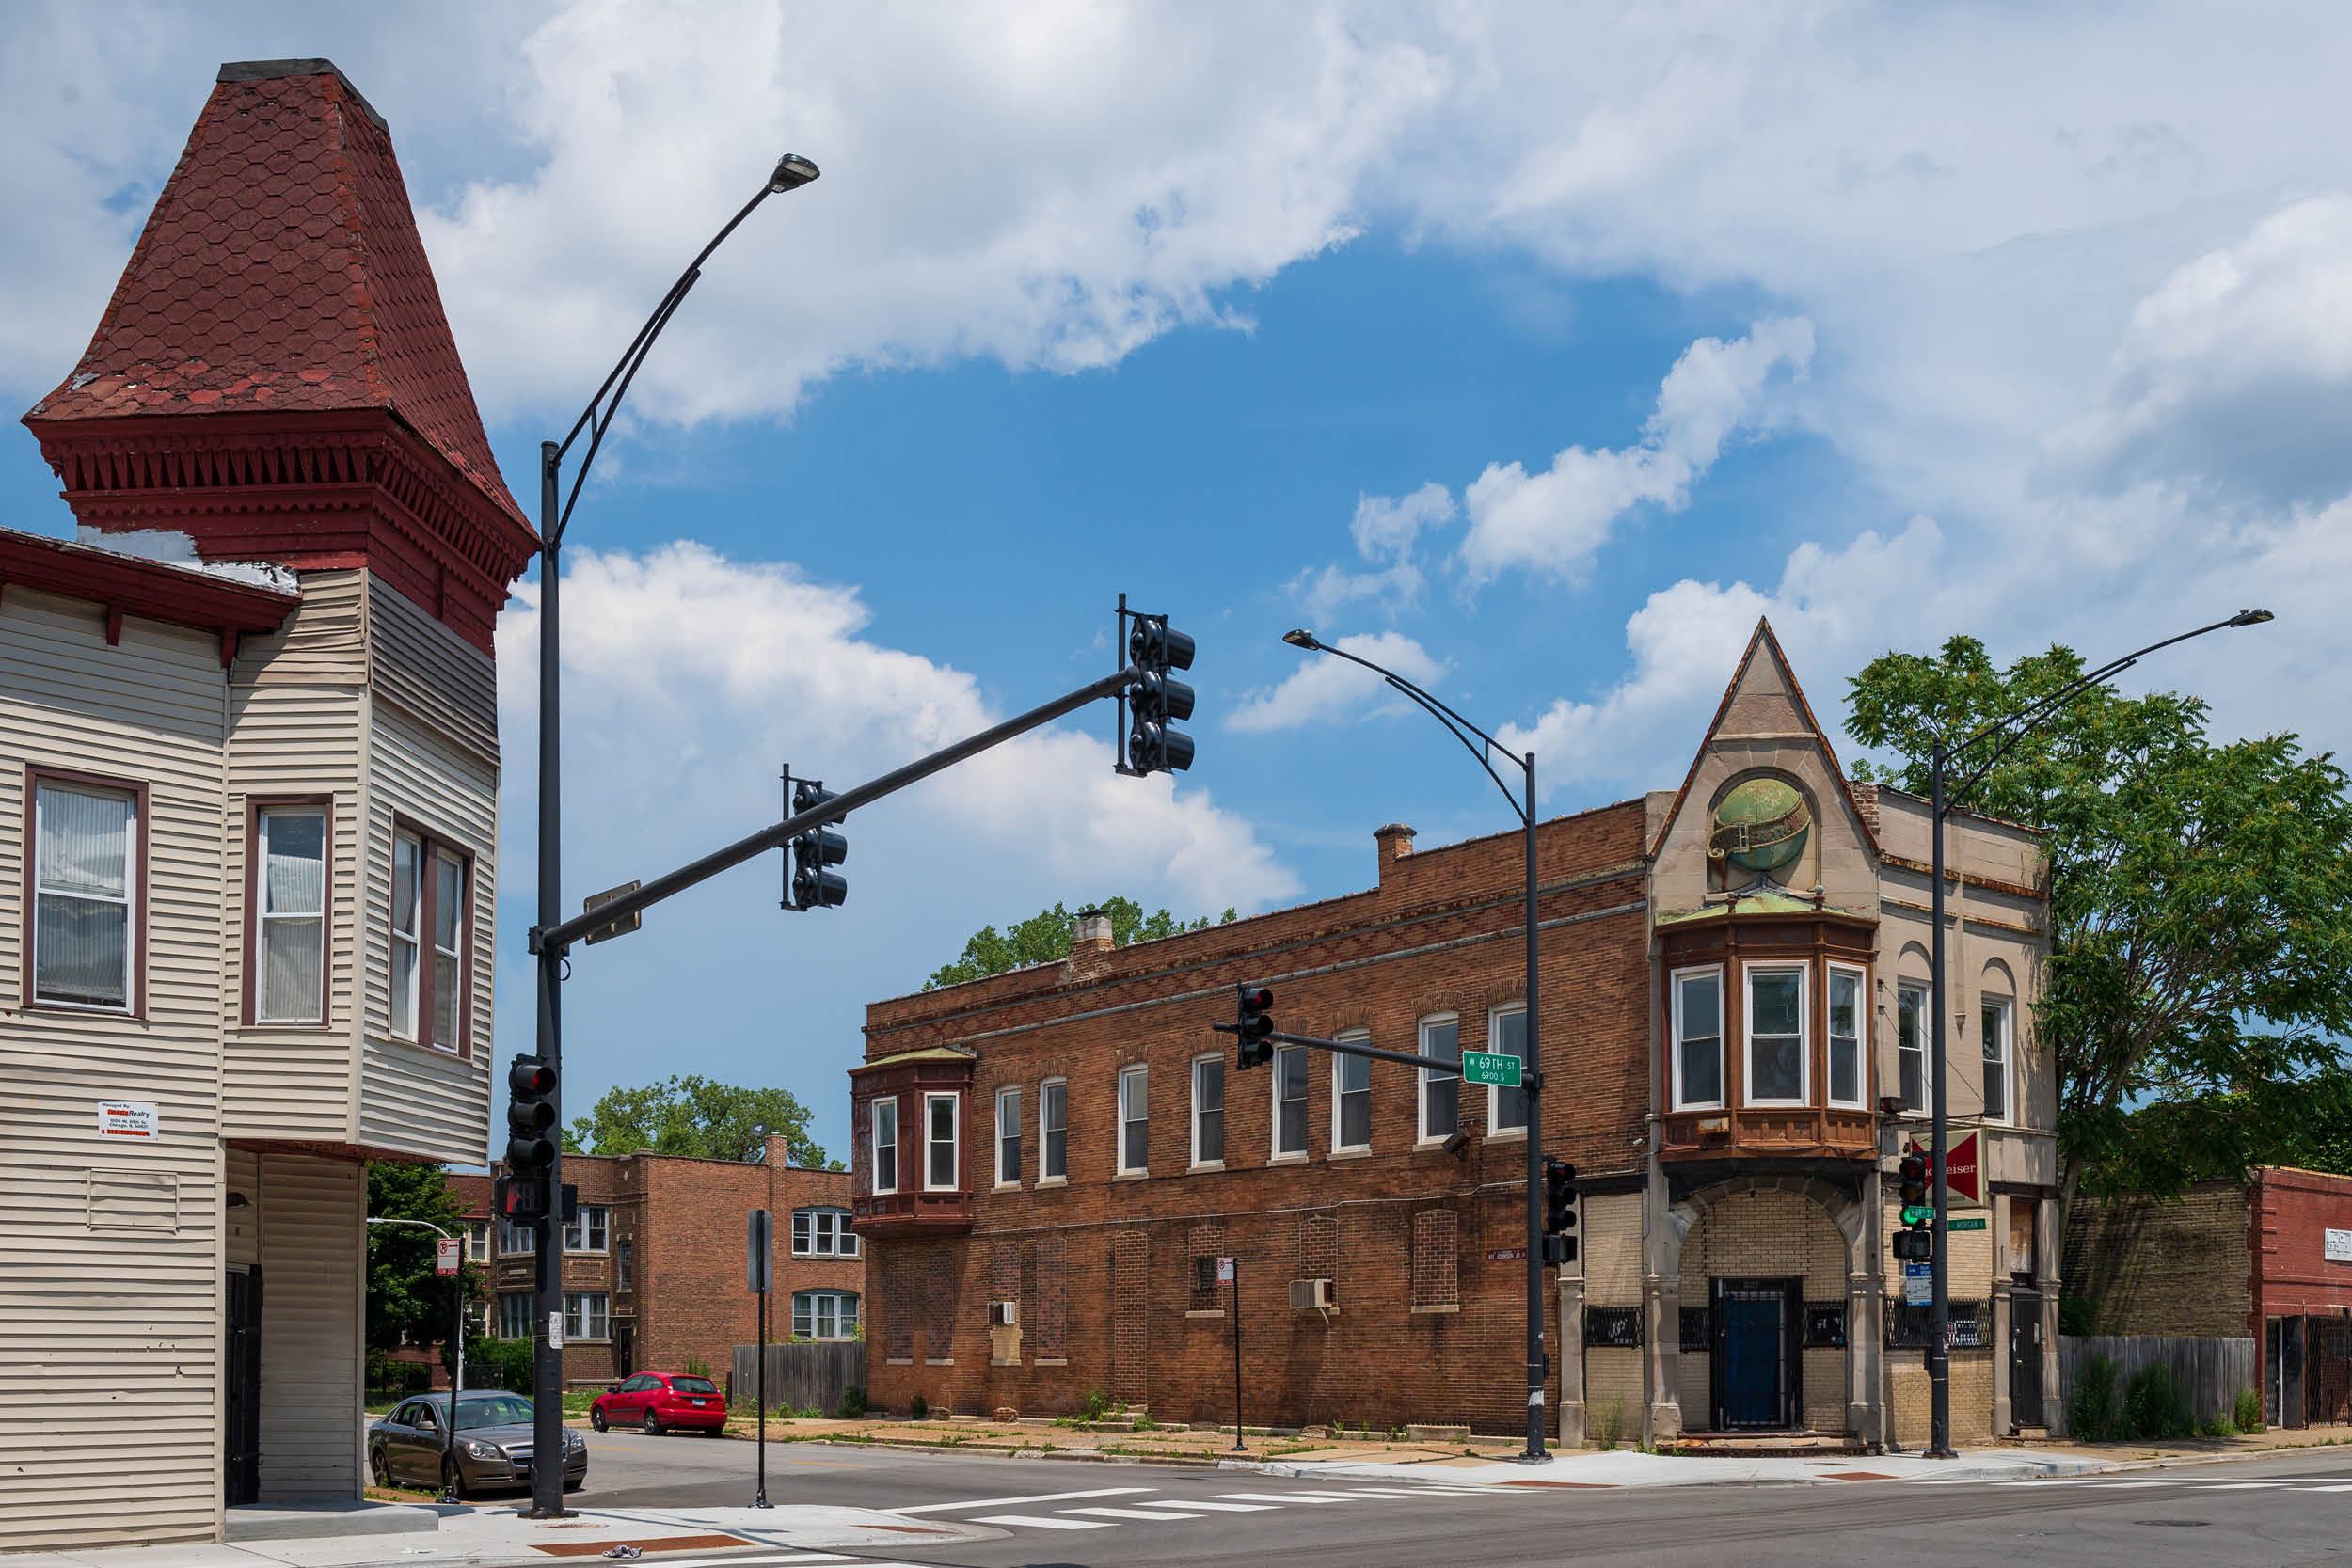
[1959,1169]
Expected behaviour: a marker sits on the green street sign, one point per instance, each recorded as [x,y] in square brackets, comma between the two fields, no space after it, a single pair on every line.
[1976,1224]
[1487,1066]
[1917,1213]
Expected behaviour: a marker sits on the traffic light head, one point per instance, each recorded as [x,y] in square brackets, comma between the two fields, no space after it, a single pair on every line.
[1155,643]
[1559,1196]
[1253,1023]
[1156,700]
[815,885]
[531,1113]
[1911,1177]
[1913,1246]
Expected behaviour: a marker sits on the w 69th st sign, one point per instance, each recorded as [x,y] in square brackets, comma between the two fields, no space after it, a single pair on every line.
[1487,1066]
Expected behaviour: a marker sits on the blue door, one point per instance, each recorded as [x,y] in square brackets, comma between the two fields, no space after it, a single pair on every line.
[1755,1328]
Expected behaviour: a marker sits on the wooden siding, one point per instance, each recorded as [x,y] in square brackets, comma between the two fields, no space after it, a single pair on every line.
[110,1316]
[313,1356]
[413,1098]
[325,640]
[431,672]
[290,1081]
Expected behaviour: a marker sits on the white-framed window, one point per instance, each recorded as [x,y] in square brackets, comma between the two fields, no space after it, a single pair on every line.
[623,1259]
[478,1315]
[1009,1135]
[1996,1013]
[407,912]
[1777,1068]
[1441,1092]
[86,881]
[1134,1117]
[822,1233]
[429,887]
[478,1242]
[1698,1040]
[515,1315]
[449,926]
[1351,1097]
[824,1314]
[886,1115]
[587,1315]
[1911,1048]
[942,1164]
[1506,1036]
[1208,1110]
[517,1241]
[1847,1008]
[289,955]
[1290,1099]
[1052,1131]
[587,1233]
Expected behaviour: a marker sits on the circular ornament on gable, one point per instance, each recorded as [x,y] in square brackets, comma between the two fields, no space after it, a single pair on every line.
[1760,827]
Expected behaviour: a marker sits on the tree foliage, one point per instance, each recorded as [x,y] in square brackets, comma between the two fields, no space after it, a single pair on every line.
[404,1293]
[2200,903]
[692,1115]
[1045,937]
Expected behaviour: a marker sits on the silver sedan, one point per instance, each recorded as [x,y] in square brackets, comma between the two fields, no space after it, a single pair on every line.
[412,1445]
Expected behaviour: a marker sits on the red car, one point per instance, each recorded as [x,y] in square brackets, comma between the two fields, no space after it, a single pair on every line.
[660,1401]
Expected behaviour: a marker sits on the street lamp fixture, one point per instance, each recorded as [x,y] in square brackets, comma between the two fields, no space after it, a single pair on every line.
[792,172]
[2007,732]
[1532,1080]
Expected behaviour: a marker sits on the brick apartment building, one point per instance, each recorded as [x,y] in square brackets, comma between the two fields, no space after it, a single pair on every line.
[2269,1256]
[653,1267]
[1048,1161]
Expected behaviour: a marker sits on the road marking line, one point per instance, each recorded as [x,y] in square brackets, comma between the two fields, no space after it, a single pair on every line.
[1041,1497]
[1128,1514]
[2344,1488]
[1044,1522]
[1216,1508]
[2241,1485]
[1276,1497]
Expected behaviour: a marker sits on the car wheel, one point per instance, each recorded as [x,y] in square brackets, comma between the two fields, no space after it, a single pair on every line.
[452,1478]
[595,1416]
[715,1431]
[378,1466]
[653,1423]
[575,1484]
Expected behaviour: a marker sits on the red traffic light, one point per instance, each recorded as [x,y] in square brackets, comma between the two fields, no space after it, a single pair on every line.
[531,1076]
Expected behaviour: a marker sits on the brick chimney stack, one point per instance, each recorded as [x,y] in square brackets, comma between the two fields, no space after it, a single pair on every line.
[1396,841]
[1094,935]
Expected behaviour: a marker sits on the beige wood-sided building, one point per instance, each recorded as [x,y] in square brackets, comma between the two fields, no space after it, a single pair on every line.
[249,790]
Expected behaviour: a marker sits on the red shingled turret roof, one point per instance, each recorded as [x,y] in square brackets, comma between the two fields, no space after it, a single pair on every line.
[281,269]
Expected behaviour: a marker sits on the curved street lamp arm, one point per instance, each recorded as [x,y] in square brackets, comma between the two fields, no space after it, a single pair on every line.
[427,1223]
[1446,716]
[598,417]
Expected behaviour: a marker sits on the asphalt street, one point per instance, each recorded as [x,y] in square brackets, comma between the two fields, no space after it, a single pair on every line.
[2294,1508]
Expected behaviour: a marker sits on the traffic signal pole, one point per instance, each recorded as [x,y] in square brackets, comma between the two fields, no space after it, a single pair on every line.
[547,1363]
[1532,1087]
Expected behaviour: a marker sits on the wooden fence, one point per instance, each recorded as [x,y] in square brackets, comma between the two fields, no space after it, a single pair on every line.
[2212,1370]
[807,1376]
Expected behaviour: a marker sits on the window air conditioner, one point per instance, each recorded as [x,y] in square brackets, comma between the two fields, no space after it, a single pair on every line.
[1311,1295]
[1004,1313]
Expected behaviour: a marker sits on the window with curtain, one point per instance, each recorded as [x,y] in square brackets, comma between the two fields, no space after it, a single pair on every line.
[1506,1036]
[515,1315]
[1134,1125]
[1009,1135]
[939,1138]
[429,883]
[1351,1098]
[1911,1047]
[824,1315]
[516,1240]
[1053,1126]
[587,1233]
[290,941]
[1997,1094]
[586,1315]
[1290,1099]
[449,926]
[478,1242]
[1208,1110]
[85,879]
[1845,1035]
[1441,1092]
[1699,1060]
[885,1115]
[407,904]
[1775,1036]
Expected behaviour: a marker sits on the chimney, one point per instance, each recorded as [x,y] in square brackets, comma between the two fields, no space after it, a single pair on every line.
[1094,935]
[1396,841]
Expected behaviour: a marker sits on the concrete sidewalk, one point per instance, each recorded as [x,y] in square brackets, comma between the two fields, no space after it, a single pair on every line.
[499,1537]
[1628,1469]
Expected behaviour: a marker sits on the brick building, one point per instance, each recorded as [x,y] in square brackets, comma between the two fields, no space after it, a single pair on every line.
[2269,1256]
[1048,1161]
[653,1267]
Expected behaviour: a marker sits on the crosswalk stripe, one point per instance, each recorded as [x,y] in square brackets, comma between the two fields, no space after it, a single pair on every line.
[1129,1513]
[1039,1497]
[2241,1485]
[1276,1497]
[1228,1508]
[2344,1488]
[1041,1521]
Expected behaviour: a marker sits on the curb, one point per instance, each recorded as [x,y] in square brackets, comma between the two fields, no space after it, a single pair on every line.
[1001,1450]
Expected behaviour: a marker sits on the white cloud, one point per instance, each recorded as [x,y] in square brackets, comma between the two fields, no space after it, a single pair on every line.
[1326,690]
[1385,529]
[1556,520]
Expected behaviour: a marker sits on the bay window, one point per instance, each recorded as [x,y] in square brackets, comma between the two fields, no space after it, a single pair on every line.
[886,1117]
[86,879]
[942,1158]
[428,941]
[1846,1013]
[1777,1036]
[288,893]
[1698,1040]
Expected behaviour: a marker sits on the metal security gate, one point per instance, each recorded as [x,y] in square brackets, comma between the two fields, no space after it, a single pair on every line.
[241,1442]
[2024,1359]
[1755,1364]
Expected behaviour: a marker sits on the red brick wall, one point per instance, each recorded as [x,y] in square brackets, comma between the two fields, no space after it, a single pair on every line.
[1106,1265]
[2290,1211]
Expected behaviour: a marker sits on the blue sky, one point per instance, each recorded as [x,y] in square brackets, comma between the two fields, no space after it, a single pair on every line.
[1547,348]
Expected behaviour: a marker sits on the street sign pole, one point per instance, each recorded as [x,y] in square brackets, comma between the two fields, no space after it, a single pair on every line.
[756,1266]
[1230,1269]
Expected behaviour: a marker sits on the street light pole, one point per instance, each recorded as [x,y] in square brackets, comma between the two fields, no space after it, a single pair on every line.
[1941,757]
[1531,1077]
[546,1481]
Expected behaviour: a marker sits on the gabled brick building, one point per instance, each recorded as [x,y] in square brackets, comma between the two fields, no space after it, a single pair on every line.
[1049,1162]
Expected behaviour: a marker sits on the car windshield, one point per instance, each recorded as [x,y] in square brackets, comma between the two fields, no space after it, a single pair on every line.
[493,1410]
[693,1385]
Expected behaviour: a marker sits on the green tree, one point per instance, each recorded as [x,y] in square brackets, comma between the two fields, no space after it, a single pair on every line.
[404,1293]
[692,1115]
[1046,937]
[2200,904]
